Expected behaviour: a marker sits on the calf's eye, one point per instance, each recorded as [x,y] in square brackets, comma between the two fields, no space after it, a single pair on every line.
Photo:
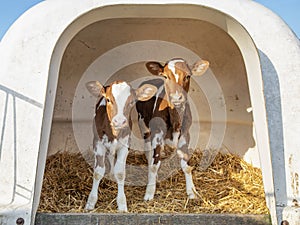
[164,75]
[186,78]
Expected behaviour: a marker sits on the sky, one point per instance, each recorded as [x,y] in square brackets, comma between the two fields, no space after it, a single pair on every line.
[288,10]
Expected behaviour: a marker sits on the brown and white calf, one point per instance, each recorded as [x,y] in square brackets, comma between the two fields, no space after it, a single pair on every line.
[112,127]
[166,118]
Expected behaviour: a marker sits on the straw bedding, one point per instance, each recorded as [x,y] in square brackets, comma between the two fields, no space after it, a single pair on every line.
[228,185]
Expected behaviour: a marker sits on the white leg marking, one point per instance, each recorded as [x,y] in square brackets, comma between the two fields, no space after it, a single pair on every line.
[148,151]
[188,179]
[180,153]
[93,196]
[98,175]
[151,186]
[119,172]
[112,146]
[153,168]
[111,159]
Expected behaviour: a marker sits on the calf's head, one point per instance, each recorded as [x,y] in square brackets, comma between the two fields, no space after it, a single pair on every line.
[177,74]
[119,98]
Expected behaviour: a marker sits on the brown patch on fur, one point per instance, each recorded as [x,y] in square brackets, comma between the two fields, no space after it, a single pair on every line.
[156,155]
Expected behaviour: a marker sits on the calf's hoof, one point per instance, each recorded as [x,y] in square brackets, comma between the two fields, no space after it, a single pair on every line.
[148,197]
[91,202]
[191,196]
[122,208]
[89,207]
[192,193]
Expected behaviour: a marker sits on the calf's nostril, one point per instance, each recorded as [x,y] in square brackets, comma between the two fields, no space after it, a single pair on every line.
[178,97]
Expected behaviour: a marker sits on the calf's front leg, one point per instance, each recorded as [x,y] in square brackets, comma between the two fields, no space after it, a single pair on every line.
[183,154]
[154,164]
[99,170]
[119,172]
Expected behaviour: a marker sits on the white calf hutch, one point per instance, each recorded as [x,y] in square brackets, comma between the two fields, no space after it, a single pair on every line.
[247,103]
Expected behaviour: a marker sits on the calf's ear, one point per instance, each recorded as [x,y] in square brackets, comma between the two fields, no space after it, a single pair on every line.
[154,67]
[95,88]
[145,92]
[200,67]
